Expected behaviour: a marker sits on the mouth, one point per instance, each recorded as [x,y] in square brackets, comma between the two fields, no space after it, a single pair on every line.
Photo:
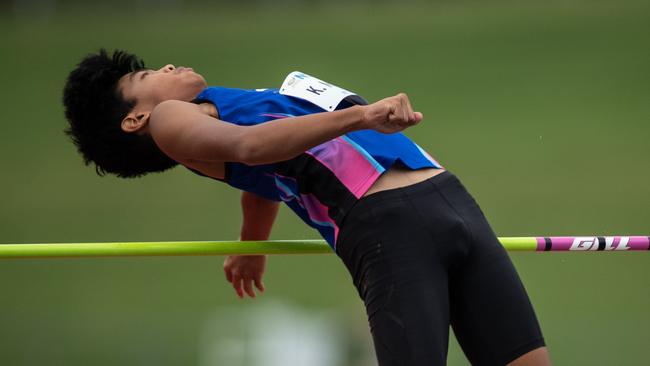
[181,69]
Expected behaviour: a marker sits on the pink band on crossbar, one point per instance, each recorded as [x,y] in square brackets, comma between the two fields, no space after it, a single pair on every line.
[594,243]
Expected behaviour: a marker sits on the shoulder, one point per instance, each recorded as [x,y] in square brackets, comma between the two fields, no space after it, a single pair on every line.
[169,109]
[168,123]
[186,132]
[171,115]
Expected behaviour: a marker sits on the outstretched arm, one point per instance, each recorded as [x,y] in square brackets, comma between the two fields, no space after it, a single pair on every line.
[186,134]
[245,270]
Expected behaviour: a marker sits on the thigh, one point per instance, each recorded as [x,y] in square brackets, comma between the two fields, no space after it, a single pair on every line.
[402,278]
[491,314]
[406,298]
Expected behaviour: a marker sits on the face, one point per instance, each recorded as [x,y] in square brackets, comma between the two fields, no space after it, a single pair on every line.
[150,87]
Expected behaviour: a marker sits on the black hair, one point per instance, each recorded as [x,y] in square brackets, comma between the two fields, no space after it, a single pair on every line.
[95,108]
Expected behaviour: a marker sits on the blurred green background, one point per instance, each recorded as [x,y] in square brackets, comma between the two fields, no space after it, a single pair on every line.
[542,109]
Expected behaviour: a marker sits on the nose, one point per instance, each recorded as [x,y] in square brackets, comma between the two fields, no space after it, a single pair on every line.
[168,68]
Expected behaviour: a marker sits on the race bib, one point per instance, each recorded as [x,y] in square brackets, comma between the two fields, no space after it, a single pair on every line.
[316,91]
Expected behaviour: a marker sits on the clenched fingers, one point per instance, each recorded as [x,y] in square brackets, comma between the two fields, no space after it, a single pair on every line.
[402,107]
[409,108]
[401,111]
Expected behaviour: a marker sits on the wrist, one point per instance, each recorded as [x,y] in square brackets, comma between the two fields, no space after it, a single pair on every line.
[357,118]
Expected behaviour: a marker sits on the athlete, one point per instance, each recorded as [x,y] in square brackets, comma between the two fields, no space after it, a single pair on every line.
[420,252]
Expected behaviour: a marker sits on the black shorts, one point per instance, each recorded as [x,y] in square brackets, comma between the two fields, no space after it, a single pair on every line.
[424,257]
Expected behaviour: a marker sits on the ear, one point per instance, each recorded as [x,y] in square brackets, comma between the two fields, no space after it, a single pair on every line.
[135,122]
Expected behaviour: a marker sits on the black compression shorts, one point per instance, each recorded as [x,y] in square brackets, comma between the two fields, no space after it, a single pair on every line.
[424,257]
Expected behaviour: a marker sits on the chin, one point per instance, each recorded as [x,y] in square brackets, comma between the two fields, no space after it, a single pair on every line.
[200,80]
[192,89]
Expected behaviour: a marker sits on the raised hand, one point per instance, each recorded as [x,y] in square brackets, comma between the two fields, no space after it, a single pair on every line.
[390,115]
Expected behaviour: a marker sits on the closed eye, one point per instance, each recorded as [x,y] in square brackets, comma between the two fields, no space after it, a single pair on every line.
[138,75]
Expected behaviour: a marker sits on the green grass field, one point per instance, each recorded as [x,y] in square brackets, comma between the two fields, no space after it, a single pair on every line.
[541,108]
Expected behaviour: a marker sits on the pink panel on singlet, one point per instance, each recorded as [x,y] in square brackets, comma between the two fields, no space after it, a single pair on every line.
[348,164]
[318,212]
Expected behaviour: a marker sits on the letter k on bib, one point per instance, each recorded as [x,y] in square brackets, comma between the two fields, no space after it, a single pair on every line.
[316,91]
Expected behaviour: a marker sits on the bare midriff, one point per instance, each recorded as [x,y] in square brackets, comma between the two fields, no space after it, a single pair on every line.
[398,176]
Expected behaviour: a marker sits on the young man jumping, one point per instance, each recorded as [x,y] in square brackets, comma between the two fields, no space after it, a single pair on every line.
[421,254]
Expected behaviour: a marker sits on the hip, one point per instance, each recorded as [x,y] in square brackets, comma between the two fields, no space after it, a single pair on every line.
[438,213]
